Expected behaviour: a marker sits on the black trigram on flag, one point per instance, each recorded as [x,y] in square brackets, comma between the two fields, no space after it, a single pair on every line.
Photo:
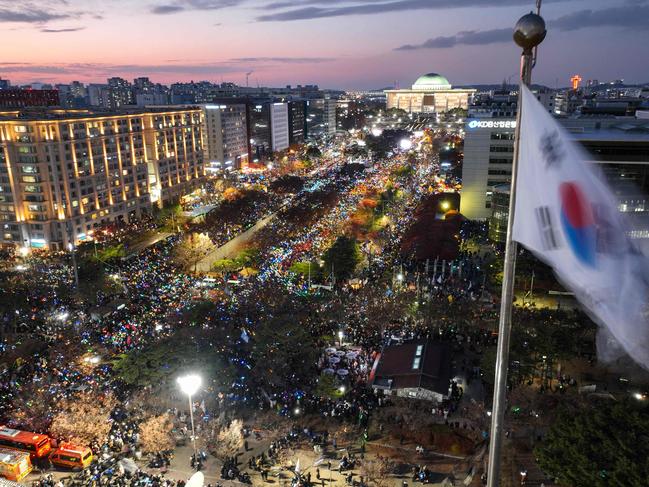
[546,228]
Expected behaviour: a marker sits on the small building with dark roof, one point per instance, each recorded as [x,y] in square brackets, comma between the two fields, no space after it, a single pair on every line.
[418,369]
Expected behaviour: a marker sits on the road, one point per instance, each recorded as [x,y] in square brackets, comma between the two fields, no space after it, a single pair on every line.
[232,247]
[148,242]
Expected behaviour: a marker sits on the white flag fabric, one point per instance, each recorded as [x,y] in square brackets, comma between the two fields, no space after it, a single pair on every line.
[566,215]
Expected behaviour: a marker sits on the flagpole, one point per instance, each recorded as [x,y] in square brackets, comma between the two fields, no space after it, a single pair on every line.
[528,34]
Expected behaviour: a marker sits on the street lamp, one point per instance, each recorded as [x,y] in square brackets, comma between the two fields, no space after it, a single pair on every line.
[190,384]
[405,144]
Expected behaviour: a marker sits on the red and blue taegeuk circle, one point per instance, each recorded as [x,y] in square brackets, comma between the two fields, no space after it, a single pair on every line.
[578,223]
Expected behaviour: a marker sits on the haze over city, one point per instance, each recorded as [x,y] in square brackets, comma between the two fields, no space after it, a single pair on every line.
[345,44]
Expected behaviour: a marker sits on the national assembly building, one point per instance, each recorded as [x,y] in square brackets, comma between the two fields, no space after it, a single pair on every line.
[431,93]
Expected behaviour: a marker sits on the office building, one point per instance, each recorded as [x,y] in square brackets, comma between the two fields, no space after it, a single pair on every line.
[226,136]
[620,145]
[279,132]
[488,153]
[320,117]
[65,172]
[431,93]
[296,121]
[259,130]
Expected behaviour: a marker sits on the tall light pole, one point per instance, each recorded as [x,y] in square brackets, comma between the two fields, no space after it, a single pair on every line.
[190,384]
[528,34]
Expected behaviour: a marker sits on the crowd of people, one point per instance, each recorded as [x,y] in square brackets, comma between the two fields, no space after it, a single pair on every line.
[151,301]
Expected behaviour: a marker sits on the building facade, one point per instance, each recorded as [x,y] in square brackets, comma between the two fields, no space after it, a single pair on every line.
[619,145]
[320,117]
[296,121]
[488,155]
[279,128]
[64,173]
[431,93]
[19,98]
[226,136]
[259,130]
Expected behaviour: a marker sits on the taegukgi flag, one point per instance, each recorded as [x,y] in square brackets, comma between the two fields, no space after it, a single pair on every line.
[569,218]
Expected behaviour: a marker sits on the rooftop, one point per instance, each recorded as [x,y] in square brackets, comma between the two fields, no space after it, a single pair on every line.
[38,114]
[419,363]
[12,456]
[431,81]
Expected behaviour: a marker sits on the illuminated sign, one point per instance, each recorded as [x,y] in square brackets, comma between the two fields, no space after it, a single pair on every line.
[492,124]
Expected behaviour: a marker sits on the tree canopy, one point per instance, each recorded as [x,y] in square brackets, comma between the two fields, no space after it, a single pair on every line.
[605,444]
[343,257]
[284,353]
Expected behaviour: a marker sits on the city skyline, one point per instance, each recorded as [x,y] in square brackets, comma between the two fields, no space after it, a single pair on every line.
[339,44]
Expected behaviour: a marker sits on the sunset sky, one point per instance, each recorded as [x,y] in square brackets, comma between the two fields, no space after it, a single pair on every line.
[333,43]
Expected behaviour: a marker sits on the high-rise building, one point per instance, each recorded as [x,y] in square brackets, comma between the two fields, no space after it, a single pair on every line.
[279,131]
[619,144]
[226,136]
[151,99]
[259,129]
[120,93]
[320,117]
[63,173]
[296,121]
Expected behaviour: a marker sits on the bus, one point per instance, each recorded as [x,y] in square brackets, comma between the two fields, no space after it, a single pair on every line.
[37,445]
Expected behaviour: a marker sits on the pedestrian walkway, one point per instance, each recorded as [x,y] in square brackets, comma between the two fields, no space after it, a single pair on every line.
[232,247]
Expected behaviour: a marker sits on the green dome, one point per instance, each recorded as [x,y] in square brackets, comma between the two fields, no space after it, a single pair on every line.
[431,81]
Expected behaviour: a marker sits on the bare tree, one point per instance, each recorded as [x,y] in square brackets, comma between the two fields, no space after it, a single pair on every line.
[191,249]
[155,433]
[84,418]
[229,440]
[377,471]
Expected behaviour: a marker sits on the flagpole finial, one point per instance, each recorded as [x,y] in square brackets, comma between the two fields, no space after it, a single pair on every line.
[529,31]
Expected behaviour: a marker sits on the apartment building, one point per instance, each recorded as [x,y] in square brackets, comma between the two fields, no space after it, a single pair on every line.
[65,172]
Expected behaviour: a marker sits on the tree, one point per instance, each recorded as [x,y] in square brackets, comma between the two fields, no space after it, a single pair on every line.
[155,434]
[343,257]
[232,194]
[287,184]
[148,366]
[307,268]
[377,472]
[313,152]
[326,387]
[225,265]
[191,249]
[229,440]
[162,362]
[170,217]
[284,353]
[600,445]
[84,418]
